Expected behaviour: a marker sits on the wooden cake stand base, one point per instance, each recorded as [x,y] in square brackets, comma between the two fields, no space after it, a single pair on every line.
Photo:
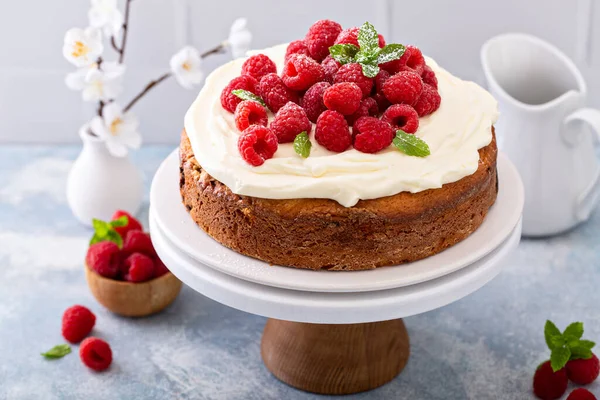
[335,359]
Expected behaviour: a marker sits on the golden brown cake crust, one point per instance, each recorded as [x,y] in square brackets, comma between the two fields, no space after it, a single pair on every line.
[322,234]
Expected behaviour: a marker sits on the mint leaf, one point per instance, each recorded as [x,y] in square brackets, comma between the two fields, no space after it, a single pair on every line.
[573,332]
[581,349]
[410,144]
[123,220]
[343,53]
[554,339]
[368,39]
[368,56]
[391,52]
[302,144]
[57,351]
[370,70]
[246,95]
[104,231]
[559,358]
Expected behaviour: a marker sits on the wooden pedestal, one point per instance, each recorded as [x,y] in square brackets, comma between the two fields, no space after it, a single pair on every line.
[335,359]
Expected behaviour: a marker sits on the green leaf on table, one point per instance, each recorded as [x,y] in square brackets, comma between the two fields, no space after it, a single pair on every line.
[554,339]
[343,53]
[246,95]
[367,37]
[410,145]
[123,220]
[302,144]
[57,351]
[559,358]
[104,231]
[391,52]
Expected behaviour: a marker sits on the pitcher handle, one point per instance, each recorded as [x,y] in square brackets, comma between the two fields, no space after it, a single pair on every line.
[588,199]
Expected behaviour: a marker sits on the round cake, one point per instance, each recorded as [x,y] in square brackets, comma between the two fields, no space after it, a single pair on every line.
[354,209]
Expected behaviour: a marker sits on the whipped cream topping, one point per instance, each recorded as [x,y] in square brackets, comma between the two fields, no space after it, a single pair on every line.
[454,133]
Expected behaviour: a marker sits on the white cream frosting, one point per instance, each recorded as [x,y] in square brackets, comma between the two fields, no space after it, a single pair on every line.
[454,133]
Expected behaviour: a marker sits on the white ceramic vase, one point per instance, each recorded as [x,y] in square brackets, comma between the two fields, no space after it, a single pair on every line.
[100,183]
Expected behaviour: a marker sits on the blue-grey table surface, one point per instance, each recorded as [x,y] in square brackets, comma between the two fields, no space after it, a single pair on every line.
[485,346]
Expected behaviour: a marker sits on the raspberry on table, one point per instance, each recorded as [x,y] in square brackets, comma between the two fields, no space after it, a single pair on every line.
[301,72]
[160,268]
[312,102]
[132,223]
[289,121]
[77,322]
[275,93]
[350,36]
[401,116]
[257,144]
[229,101]
[344,97]
[297,47]
[428,102]
[250,113]
[138,268]
[415,61]
[581,394]
[429,77]
[405,87]
[549,385]
[583,371]
[138,242]
[352,72]
[332,131]
[330,67]
[103,257]
[368,107]
[372,135]
[95,353]
[258,66]
[321,36]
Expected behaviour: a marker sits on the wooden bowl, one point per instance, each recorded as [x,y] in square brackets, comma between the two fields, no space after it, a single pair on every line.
[133,299]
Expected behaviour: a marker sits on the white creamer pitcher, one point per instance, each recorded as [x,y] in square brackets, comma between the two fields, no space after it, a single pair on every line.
[544,128]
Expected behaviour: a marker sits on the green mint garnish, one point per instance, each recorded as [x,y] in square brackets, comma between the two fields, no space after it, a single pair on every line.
[123,220]
[369,55]
[105,231]
[246,95]
[567,345]
[302,144]
[58,351]
[410,144]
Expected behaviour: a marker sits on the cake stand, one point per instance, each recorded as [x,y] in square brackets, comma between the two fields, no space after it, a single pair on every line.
[347,335]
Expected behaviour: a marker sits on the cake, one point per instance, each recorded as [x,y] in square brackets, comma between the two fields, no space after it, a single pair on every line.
[365,195]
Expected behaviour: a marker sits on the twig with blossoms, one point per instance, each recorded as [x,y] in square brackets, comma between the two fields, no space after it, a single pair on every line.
[101,81]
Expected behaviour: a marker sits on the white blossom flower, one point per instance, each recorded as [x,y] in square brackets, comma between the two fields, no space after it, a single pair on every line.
[105,15]
[97,84]
[186,66]
[82,47]
[239,38]
[118,129]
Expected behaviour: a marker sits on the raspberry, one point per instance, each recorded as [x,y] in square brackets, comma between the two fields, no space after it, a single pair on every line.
[250,113]
[396,66]
[301,72]
[581,394]
[95,353]
[257,144]
[138,268]
[229,101]
[350,36]
[274,92]
[258,66]
[159,267]
[372,135]
[138,242]
[343,97]
[312,102]
[332,131]
[132,223]
[428,102]
[330,67]
[289,122]
[428,77]
[404,87]
[415,61]
[368,107]
[297,47]
[103,257]
[549,385]
[381,77]
[321,35]
[77,323]
[583,372]
[402,116]
[353,73]
[382,101]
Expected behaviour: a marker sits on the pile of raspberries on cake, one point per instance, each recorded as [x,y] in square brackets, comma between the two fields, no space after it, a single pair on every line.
[348,107]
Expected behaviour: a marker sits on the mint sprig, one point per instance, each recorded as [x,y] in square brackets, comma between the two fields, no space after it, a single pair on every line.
[369,55]
[246,95]
[57,351]
[105,231]
[302,144]
[566,345]
[410,145]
